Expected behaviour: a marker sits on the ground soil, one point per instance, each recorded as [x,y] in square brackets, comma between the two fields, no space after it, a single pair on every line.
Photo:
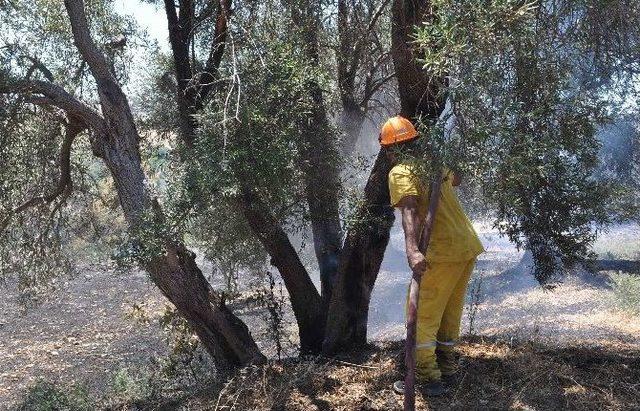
[585,354]
[495,374]
[82,332]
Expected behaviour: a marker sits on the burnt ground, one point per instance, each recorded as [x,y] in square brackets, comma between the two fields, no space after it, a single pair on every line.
[84,333]
[585,355]
[495,374]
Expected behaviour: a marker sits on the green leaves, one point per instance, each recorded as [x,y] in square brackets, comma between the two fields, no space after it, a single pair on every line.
[249,136]
[464,29]
[519,124]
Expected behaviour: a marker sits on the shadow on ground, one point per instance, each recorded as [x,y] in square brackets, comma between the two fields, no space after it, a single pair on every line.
[495,374]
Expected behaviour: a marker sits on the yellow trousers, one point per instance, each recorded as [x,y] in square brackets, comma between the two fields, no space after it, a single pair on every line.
[442,292]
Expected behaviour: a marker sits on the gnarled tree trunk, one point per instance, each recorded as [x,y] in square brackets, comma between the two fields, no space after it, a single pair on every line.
[365,244]
[304,297]
[362,255]
[173,270]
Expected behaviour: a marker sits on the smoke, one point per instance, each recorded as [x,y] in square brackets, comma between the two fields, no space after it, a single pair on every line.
[512,303]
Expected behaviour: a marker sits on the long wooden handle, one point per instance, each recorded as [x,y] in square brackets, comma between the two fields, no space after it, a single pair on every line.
[412,309]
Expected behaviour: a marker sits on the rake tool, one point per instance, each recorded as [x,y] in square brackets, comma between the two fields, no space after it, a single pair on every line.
[412,309]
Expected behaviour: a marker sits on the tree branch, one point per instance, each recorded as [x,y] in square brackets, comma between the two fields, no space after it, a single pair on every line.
[305,299]
[375,86]
[345,79]
[58,97]
[351,51]
[179,41]
[85,44]
[376,15]
[217,49]
[38,65]
[185,16]
[64,185]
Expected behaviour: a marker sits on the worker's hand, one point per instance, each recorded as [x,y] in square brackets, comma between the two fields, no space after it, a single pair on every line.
[417,262]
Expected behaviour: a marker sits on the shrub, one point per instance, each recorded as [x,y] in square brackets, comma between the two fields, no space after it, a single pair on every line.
[626,292]
[47,396]
[130,389]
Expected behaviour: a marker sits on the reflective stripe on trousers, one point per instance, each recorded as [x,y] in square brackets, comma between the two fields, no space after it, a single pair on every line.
[442,291]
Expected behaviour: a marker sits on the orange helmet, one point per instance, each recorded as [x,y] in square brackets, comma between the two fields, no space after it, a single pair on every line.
[397,130]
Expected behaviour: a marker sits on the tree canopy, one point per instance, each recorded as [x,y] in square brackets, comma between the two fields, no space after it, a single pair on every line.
[237,141]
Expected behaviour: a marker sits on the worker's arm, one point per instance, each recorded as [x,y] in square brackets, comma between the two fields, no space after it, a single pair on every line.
[411,225]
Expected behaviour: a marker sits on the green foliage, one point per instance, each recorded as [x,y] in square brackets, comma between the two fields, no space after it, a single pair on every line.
[39,31]
[520,124]
[461,30]
[626,292]
[40,243]
[45,396]
[249,139]
[31,248]
[130,389]
[258,141]
[46,241]
[156,99]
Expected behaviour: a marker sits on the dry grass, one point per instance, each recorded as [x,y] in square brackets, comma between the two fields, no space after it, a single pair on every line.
[495,375]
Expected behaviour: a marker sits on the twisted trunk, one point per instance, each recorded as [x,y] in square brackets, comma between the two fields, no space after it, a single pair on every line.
[172,268]
[304,297]
[365,244]
[362,255]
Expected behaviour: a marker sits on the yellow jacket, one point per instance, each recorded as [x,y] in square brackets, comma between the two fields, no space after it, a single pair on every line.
[453,237]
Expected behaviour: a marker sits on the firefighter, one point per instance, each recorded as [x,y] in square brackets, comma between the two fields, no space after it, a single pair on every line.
[449,260]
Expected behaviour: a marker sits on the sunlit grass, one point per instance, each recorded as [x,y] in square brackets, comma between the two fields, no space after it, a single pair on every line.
[619,242]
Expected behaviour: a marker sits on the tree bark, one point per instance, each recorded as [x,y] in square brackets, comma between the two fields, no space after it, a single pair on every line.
[173,270]
[320,161]
[365,244]
[362,255]
[322,186]
[179,38]
[348,60]
[193,89]
[304,297]
[420,94]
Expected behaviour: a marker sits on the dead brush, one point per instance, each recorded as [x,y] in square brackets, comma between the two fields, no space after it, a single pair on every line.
[497,374]
[272,385]
[274,301]
[475,297]
[187,364]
